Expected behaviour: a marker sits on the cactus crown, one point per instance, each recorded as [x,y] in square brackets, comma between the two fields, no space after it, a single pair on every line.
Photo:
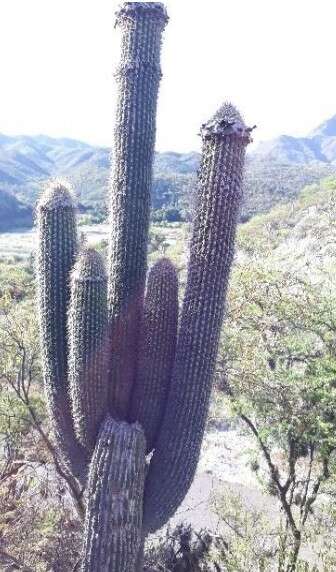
[89,266]
[145,9]
[57,195]
[120,379]
[226,121]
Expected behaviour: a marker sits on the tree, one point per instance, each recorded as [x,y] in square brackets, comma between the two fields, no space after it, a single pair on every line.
[277,366]
[34,490]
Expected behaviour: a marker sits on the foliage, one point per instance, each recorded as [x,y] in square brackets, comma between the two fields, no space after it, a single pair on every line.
[311,217]
[38,530]
[278,369]
[34,498]
[255,540]
[167,214]
[251,535]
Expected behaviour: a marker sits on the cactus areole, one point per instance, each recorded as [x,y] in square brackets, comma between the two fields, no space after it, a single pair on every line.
[121,379]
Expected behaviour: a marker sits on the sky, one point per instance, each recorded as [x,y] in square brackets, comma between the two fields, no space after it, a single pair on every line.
[274,59]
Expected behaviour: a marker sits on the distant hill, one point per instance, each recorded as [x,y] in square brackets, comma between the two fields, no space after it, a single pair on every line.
[13,210]
[300,233]
[276,171]
[319,145]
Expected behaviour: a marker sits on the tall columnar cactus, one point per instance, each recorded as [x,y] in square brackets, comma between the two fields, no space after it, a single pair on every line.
[121,379]
[179,440]
[157,349]
[138,78]
[55,258]
[88,346]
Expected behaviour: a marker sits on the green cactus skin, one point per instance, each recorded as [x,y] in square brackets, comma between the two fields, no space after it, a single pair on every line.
[138,79]
[156,349]
[220,190]
[113,527]
[55,259]
[153,376]
[87,330]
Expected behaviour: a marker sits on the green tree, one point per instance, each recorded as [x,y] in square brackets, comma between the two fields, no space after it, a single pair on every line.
[277,366]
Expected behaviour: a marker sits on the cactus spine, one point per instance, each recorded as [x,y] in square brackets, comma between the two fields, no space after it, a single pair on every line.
[155,391]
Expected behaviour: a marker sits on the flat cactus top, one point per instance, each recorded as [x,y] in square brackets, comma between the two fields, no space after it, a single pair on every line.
[57,195]
[156,9]
[120,428]
[89,266]
[227,121]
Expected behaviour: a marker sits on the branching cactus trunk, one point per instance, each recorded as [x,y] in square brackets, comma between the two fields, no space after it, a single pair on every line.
[121,379]
[113,527]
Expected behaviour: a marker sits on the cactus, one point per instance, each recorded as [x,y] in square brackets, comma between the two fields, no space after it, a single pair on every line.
[87,330]
[178,443]
[157,349]
[115,493]
[120,379]
[55,258]
[138,80]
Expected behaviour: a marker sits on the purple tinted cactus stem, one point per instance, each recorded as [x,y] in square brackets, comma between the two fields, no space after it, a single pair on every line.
[220,191]
[138,79]
[156,349]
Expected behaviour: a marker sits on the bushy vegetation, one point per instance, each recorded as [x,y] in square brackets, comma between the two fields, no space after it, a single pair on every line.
[277,365]
[276,371]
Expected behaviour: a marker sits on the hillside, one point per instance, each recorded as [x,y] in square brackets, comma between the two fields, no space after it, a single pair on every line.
[12,209]
[319,145]
[276,172]
[300,234]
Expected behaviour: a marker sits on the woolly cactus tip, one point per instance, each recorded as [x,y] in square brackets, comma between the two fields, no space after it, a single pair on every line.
[57,195]
[227,121]
[129,9]
[89,267]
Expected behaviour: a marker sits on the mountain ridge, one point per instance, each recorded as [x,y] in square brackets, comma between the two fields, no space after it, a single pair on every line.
[276,171]
[319,145]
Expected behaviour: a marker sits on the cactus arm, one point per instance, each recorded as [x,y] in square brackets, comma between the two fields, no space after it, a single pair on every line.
[87,331]
[156,349]
[138,80]
[55,258]
[178,445]
[113,525]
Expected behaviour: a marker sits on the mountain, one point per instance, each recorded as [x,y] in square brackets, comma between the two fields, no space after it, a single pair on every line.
[11,209]
[276,171]
[319,145]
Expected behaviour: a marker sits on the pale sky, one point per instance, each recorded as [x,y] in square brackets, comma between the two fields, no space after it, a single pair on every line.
[274,59]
